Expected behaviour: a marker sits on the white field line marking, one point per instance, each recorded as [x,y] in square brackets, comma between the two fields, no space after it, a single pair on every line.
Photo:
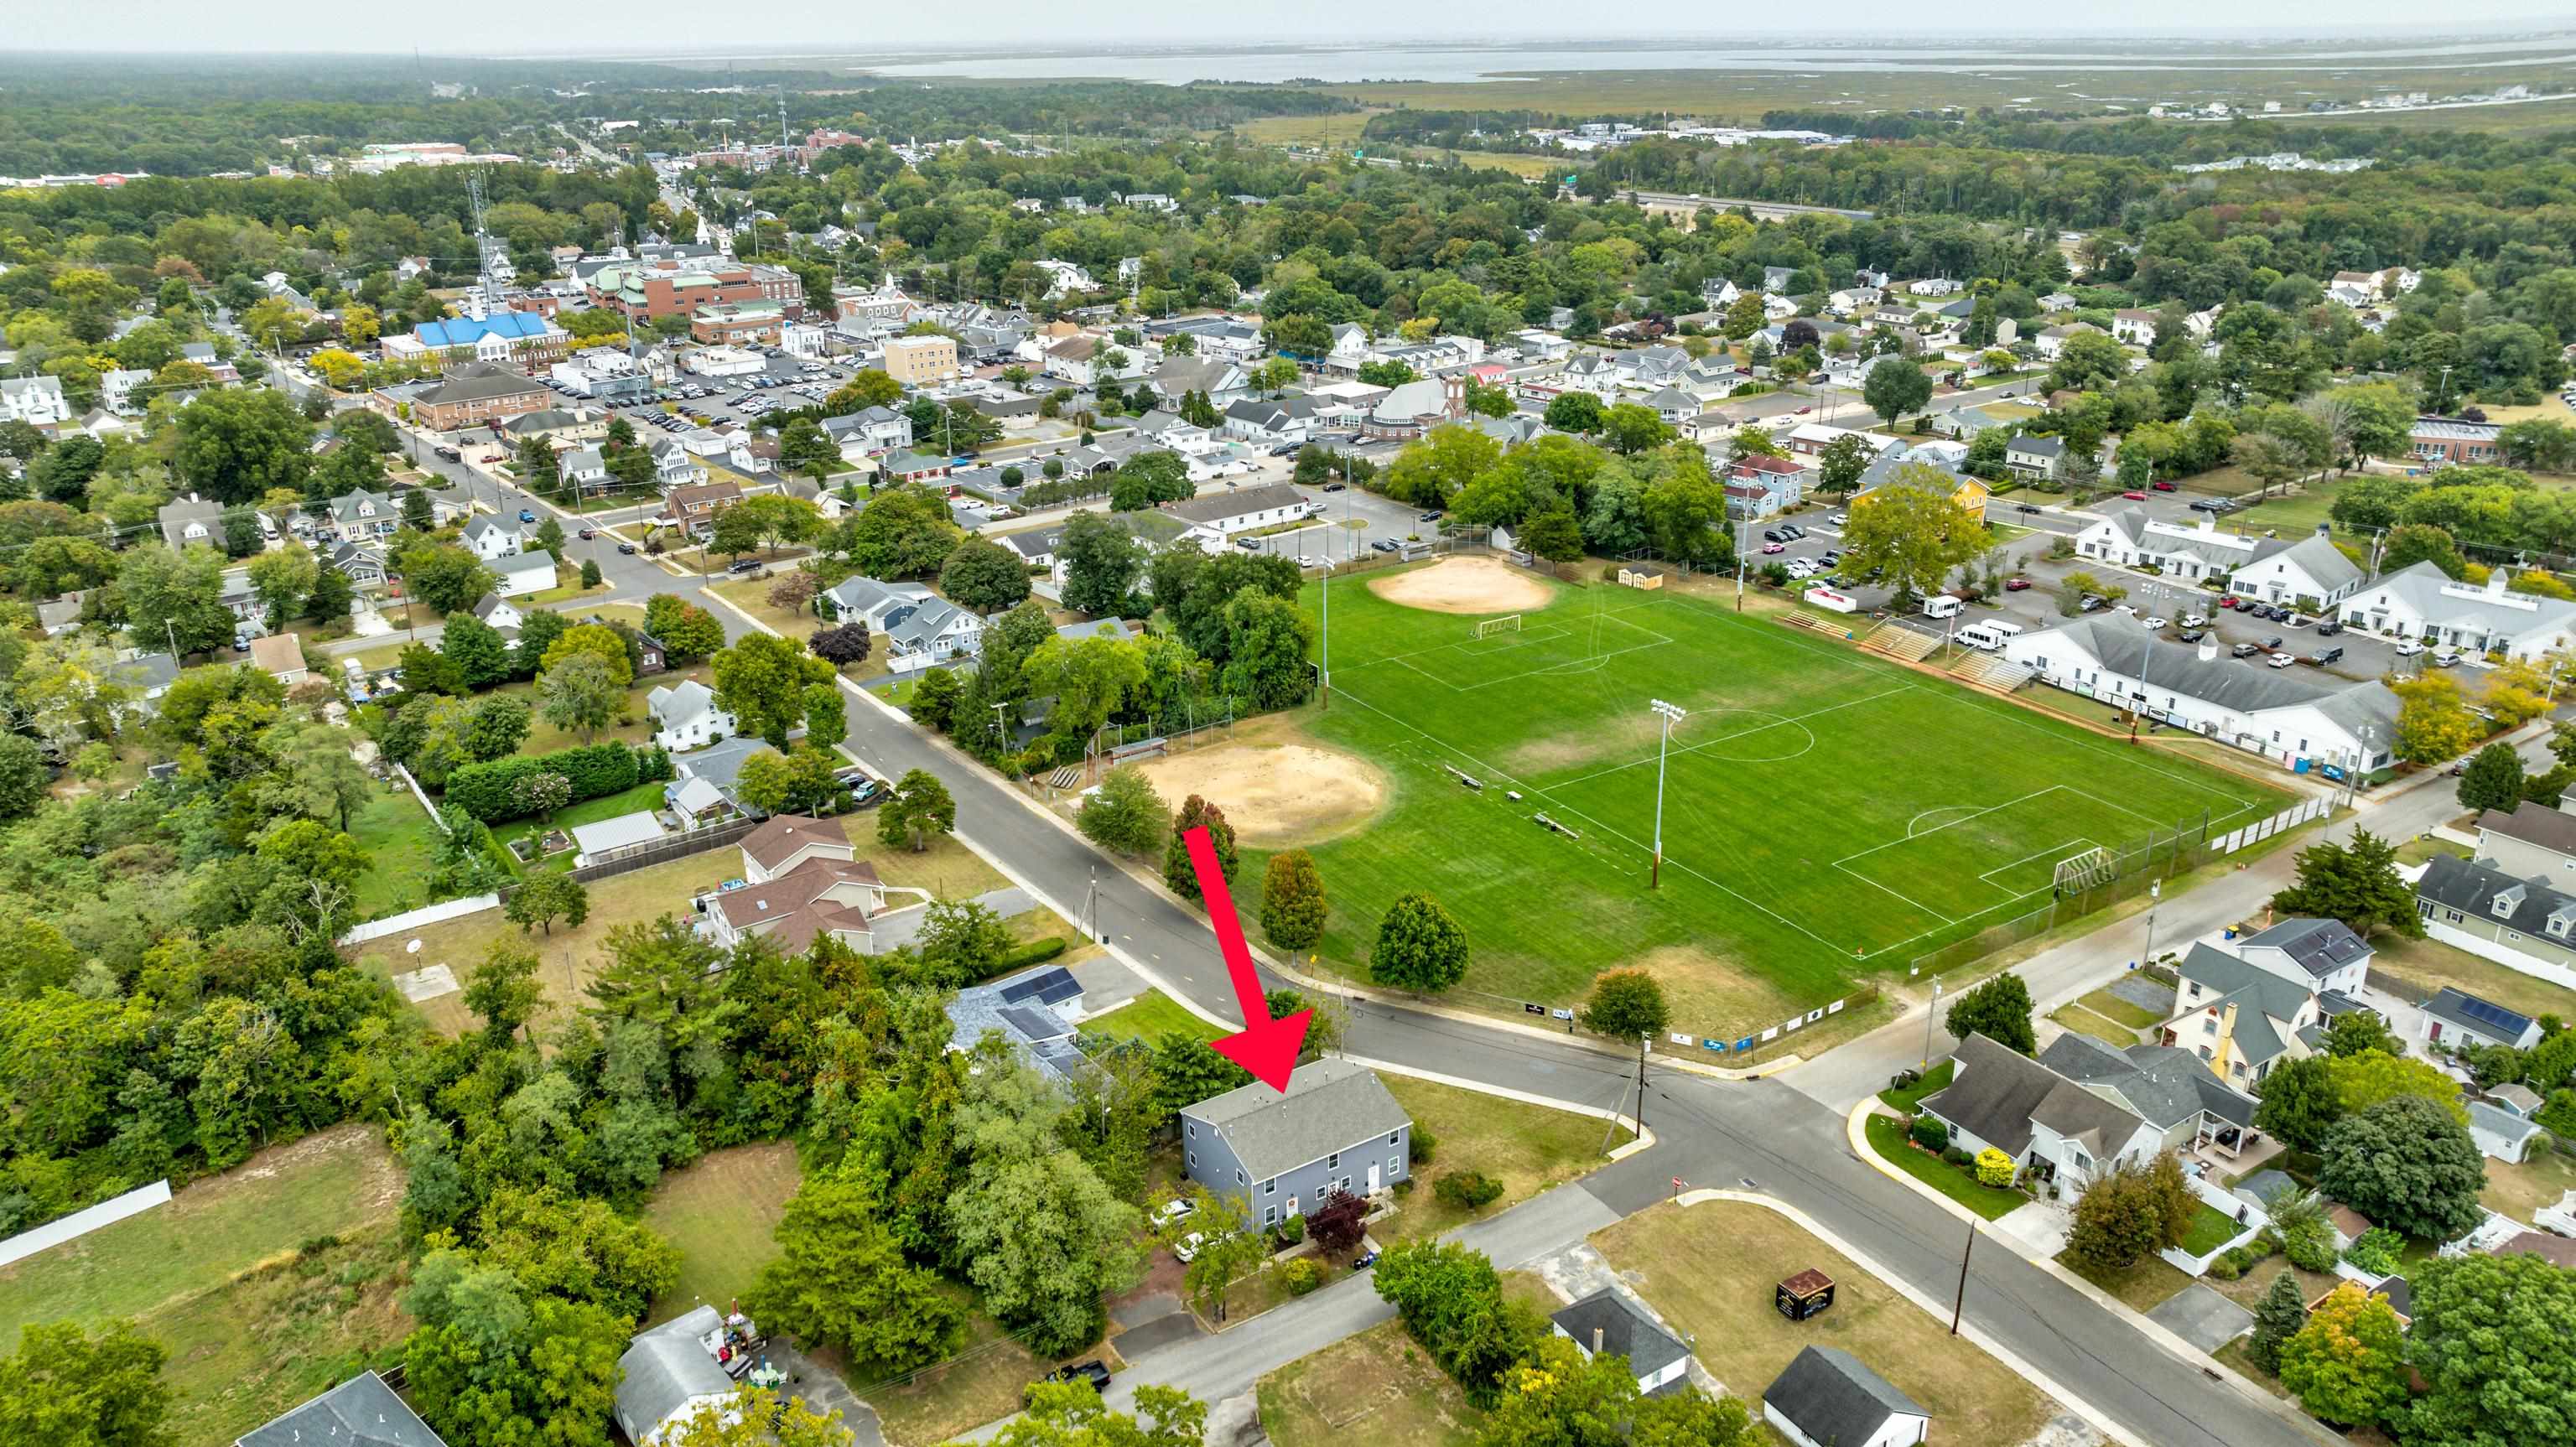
[2054,849]
[1777,720]
[1937,828]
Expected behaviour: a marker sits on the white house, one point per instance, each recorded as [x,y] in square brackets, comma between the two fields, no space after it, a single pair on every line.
[669,1376]
[524,573]
[2052,340]
[2047,1123]
[1827,1397]
[117,389]
[2135,326]
[685,716]
[2524,920]
[914,622]
[585,467]
[36,401]
[2299,722]
[2421,602]
[2310,573]
[1224,514]
[2242,1019]
[2323,954]
[491,538]
[499,612]
[1610,1323]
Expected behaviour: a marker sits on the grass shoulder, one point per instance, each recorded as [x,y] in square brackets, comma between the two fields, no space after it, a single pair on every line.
[1887,1137]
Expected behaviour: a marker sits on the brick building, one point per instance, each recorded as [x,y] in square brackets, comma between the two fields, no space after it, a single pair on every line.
[477,392]
[2448,441]
[641,291]
[733,324]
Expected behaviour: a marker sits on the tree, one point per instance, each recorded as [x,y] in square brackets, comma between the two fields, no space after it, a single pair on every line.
[1433,471]
[827,716]
[1197,813]
[2412,543]
[2299,1103]
[580,694]
[2493,779]
[842,644]
[235,443]
[2364,1080]
[1579,412]
[176,597]
[540,470]
[496,728]
[331,599]
[490,1363]
[1267,641]
[1293,908]
[1419,947]
[1150,478]
[1069,1414]
[985,576]
[426,670]
[1998,1009]
[761,681]
[903,532]
[477,649]
[1895,387]
[2356,883]
[2358,1033]
[1625,1005]
[1339,1222]
[284,579]
[2272,460]
[2130,1213]
[867,387]
[2347,1365]
[1125,816]
[1912,532]
[2491,1341]
[66,1388]
[22,775]
[840,1278]
[2408,1164]
[1840,465]
[687,632]
[445,576]
[1102,562]
[1039,1234]
[2282,1312]
[803,447]
[544,897]
[503,991]
[917,811]
[1450,1300]
[1554,535]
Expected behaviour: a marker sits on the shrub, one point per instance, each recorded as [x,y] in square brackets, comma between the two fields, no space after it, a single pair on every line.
[1424,1142]
[2376,1251]
[1301,1275]
[1930,1133]
[1291,1231]
[1994,1168]
[2226,1268]
[490,791]
[1956,1156]
[1467,1190]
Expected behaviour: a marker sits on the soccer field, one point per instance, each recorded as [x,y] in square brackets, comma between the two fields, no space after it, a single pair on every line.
[1827,815]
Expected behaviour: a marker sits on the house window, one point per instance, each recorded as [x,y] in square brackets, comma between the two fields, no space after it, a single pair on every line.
[2237,1069]
[1193,1126]
[2195,991]
[1333,1162]
[1344,1184]
[1390,1137]
[2205,1053]
[2453,915]
[1194,1160]
[1238,1178]
[1270,1187]
[1394,1167]
[2208,1027]
[1269,1215]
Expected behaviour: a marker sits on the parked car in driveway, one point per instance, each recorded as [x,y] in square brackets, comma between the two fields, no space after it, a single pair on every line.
[2409,648]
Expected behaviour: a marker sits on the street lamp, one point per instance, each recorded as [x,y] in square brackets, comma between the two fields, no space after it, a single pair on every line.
[1324,675]
[1670,714]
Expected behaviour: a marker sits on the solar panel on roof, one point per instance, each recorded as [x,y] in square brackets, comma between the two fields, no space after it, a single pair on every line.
[1047,987]
[2491,1014]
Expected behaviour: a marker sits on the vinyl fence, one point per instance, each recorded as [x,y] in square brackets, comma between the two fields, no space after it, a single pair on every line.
[81,1223]
[427,914]
[2251,1219]
[631,857]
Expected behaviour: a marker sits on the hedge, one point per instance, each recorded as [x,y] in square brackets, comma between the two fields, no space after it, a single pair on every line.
[489,791]
[1023,957]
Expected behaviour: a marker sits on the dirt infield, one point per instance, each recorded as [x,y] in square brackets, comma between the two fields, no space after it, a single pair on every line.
[1275,795]
[1465,585]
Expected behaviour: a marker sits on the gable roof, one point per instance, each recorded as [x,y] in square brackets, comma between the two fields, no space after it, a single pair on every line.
[2319,946]
[1832,1396]
[1626,1331]
[664,1367]
[360,1412]
[2322,560]
[278,653]
[679,703]
[2163,1084]
[2472,887]
[795,900]
[2424,589]
[1214,506]
[479,384]
[2123,645]
[1996,1094]
[2261,996]
[2483,1017]
[2535,824]
[510,565]
[1329,1105]
[777,841]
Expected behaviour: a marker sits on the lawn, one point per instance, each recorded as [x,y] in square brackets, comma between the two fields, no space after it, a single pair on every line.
[1888,1138]
[2143,1286]
[1905,837]
[1377,1384]
[633,726]
[401,840]
[282,1332]
[2428,848]
[2209,1231]
[1710,1269]
[569,955]
[981,1383]
[720,1213]
[2110,1006]
[1935,1079]
[2291,516]
[1529,1148]
[2427,965]
[588,811]
[2085,1022]
[1149,1017]
[2517,1191]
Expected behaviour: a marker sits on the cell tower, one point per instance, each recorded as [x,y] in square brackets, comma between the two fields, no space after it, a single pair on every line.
[487,287]
[782,123]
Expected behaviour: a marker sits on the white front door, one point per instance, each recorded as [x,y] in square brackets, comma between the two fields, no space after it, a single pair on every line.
[1373,1178]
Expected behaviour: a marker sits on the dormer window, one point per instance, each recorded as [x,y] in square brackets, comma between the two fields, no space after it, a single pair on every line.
[2503,905]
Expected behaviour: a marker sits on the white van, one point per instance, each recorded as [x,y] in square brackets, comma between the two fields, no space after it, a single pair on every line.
[1941,605]
[1989,636]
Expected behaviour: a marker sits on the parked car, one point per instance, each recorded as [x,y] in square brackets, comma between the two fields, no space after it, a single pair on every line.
[450,453]
[1091,1371]
[2329,628]
[2162,486]
[1432,516]
[1187,1248]
[2272,644]
[2192,635]
[2409,648]
[1175,1209]
[744,567]
[2016,585]
[2195,620]
[1772,535]
[1249,545]
[2135,496]
[2280,660]
[2244,650]
[1792,531]
[1383,545]
[1335,486]
[1839,519]
[2154,624]
[2446,657]
[2092,603]
[2324,656]
[1775,547]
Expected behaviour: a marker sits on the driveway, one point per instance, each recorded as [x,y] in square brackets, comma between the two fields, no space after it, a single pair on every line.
[824,1391]
[2202,1317]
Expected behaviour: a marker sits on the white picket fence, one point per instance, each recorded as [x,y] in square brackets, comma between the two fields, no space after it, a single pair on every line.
[427,914]
[2290,818]
[2227,1204]
[81,1223]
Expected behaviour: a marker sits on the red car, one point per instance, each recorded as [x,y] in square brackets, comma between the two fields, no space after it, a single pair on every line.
[2016,585]
[2164,486]
[2135,496]
[2227,602]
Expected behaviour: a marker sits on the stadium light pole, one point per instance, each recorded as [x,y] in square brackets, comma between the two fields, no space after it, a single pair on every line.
[1324,679]
[1671,714]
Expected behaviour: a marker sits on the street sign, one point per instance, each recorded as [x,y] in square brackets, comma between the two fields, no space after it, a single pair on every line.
[1530,1009]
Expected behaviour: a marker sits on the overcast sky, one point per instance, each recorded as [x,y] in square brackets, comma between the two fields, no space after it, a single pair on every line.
[515,27]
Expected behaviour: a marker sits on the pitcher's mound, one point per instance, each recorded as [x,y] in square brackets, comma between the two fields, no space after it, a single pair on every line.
[1275,795]
[1465,585]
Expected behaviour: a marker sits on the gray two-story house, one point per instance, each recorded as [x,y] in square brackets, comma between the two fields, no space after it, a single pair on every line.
[1335,1129]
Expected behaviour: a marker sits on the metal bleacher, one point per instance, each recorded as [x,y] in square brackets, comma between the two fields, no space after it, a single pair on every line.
[1988,671]
[1901,642]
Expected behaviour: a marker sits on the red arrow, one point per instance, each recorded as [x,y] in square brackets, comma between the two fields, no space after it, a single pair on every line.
[1266,1047]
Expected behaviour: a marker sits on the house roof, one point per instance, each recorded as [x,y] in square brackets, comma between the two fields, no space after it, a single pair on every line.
[1329,1105]
[1996,1094]
[1832,1396]
[489,604]
[2319,946]
[2464,1011]
[795,900]
[1626,1331]
[510,565]
[678,703]
[2123,645]
[278,653]
[2038,446]
[2262,996]
[2161,1083]
[617,832]
[2426,591]
[1213,507]
[2540,1243]
[665,1367]
[2519,1098]
[777,841]
[479,383]
[2538,825]
[360,1412]
[466,331]
[2504,1123]
[1029,1009]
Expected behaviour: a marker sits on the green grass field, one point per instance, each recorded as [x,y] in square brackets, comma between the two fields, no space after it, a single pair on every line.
[1827,815]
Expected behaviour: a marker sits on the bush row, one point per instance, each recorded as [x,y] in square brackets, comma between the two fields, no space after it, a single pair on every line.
[1036,952]
[490,791]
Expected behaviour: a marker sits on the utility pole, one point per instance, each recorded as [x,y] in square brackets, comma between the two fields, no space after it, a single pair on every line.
[1324,675]
[1930,1015]
[1959,1303]
[2155,893]
[1670,714]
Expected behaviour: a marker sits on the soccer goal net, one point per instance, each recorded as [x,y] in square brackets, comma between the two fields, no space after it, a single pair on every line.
[1492,626]
[2090,869]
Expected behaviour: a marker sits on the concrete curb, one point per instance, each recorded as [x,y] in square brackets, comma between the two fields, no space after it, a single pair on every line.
[1967,1329]
[1858,1139]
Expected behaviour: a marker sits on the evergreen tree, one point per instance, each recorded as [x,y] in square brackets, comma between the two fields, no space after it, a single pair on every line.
[2355,883]
[2276,1320]
[2000,1010]
[1292,900]
[2493,779]
[1195,813]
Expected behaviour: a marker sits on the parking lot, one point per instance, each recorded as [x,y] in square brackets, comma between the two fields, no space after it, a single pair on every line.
[787,383]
